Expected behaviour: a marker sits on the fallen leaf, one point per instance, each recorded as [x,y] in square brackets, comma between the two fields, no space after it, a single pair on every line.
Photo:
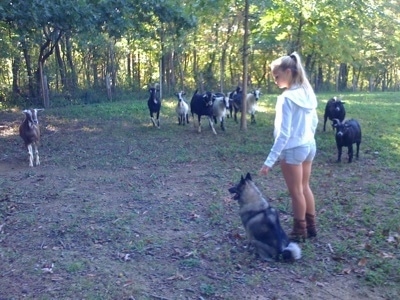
[56,278]
[228,199]
[300,281]
[391,239]
[362,262]
[338,258]
[128,283]
[189,254]
[48,269]
[124,256]
[346,271]
[194,215]
[178,276]
[387,255]
[177,252]
[368,247]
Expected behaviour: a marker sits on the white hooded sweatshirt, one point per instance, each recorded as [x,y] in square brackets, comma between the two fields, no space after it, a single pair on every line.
[295,121]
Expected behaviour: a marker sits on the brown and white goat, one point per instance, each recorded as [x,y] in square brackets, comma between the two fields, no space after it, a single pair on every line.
[29,131]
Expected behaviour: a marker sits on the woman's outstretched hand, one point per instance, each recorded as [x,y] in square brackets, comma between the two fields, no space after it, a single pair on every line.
[264,170]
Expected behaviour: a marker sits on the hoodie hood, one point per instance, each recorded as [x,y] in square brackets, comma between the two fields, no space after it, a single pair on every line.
[302,97]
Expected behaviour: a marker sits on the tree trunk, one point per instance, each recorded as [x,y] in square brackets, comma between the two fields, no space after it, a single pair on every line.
[342,77]
[61,66]
[73,77]
[15,73]
[29,72]
[243,123]
[319,79]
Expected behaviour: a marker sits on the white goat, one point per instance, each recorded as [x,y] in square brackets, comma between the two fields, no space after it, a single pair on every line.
[251,103]
[252,99]
[29,131]
[182,109]
[220,108]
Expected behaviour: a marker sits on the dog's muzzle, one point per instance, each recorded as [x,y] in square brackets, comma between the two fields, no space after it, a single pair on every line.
[233,190]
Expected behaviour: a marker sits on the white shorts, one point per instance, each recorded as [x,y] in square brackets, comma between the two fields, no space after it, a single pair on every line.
[300,154]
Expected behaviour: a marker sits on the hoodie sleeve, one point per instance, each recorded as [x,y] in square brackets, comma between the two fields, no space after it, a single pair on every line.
[283,124]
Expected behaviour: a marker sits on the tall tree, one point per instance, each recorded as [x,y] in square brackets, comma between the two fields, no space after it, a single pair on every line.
[243,122]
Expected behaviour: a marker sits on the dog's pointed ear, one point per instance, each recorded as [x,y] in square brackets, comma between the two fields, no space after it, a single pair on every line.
[242,180]
[248,176]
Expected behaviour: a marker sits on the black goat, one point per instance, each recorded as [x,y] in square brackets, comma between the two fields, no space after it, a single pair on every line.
[154,104]
[347,134]
[202,105]
[334,109]
[232,96]
[29,131]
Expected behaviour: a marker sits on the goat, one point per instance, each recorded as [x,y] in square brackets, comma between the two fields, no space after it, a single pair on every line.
[182,109]
[202,105]
[347,134]
[154,104]
[220,107]
[251,104]
[231,95]
[334,109]
[29,131]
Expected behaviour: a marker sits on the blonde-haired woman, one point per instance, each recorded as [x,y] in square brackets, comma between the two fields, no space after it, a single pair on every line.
[295,124]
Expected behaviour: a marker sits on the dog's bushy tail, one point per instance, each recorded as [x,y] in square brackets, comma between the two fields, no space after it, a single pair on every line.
[291,252]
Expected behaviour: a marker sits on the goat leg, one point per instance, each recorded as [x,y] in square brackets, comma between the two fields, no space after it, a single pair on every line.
[350,153]
[199,125]
[253,119]
[30,151]
[158,119]
[37,155]
[358,149]
[153,121]
[339,153]
[210,121]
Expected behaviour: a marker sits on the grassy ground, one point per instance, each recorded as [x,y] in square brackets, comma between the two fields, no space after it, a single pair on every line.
[121,210]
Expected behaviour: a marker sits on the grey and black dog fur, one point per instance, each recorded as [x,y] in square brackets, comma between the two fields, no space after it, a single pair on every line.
[261,222]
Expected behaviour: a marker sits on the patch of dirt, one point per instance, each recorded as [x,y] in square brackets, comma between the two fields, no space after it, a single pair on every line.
[121,210]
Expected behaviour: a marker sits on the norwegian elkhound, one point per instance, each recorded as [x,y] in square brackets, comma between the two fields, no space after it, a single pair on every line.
[261,222]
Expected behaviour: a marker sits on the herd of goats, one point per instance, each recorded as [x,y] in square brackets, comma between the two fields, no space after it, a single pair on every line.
[215,107]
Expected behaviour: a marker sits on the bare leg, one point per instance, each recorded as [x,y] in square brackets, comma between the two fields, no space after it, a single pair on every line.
[308,194]
[293,175]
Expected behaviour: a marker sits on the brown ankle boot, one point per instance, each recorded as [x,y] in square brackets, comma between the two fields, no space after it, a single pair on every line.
[299,233]
[311,228]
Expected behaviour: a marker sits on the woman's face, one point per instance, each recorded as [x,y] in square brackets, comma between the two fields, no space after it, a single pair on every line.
[282,79]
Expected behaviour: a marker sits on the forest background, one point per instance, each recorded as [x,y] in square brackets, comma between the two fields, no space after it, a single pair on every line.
[86,51]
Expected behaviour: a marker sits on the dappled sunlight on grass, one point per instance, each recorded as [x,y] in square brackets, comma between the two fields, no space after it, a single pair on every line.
[90,129]
[169,104]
